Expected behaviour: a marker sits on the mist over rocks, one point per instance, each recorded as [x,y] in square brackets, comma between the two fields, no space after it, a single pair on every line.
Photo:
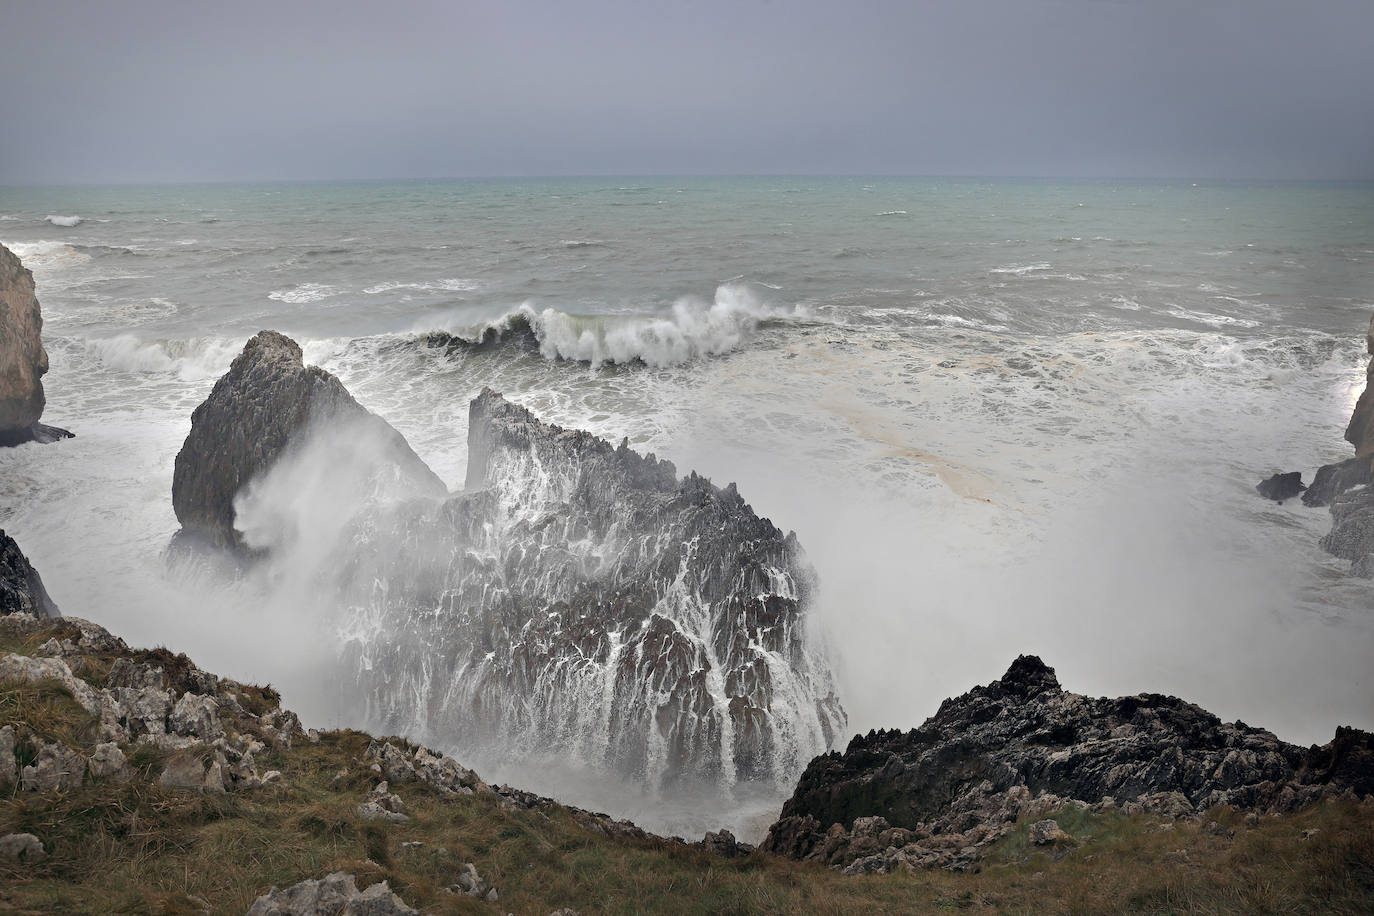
[21,588]
[266,404]
[941,794]
[23,361]
[580,601]
[1348,489]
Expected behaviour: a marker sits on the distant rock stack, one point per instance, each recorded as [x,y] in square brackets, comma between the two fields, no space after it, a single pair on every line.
[1023,747]
[267,403]
[1350,495]
[21,588]
[23,361]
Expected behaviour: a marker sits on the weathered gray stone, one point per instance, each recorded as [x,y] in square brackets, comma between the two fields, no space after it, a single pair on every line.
[185,770]
[1047,833]
[9,767]
[334,895]
[21,847]
[56,767]
[143,710]
[23,668]
[195,714]
[108,762]
[264,405]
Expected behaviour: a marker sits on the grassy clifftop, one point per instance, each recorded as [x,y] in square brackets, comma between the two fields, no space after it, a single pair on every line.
[133,840]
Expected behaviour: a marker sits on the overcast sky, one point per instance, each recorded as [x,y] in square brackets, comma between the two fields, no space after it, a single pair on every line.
[178,90]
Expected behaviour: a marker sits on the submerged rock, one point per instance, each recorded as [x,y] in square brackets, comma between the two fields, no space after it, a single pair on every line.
[1281,486]
[1024,747]
[21,588]
[23,361]
[268,403]
[580,600]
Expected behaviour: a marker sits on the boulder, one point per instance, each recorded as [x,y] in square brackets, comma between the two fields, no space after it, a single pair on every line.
[23,361]
[1047,833]
[55,767]
[333,895]
[21,847]
[21,588]
[1023,747]
[266,404]
[1281,486]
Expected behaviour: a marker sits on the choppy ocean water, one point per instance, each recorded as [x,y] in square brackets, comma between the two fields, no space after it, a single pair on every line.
[1001,416]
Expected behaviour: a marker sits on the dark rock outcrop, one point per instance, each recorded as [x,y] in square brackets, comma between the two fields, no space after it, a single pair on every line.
[1021,746]
[1352,499]
[23,361]
[578,599]
[1332,480]
[1281,486]
[21,588]
[268,403]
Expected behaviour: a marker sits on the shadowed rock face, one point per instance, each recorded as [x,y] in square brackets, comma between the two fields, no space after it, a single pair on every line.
[264,405]
[21,589]
[23,361]
[580,600]
[958,781]
[1350,492]
[1360,432]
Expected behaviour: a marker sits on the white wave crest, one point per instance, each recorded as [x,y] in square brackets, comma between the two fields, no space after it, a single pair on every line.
[190,359]
[454,285]
[1020,270]
[891,213]
[47,254]
[65,221]
[304,292]
[692,329]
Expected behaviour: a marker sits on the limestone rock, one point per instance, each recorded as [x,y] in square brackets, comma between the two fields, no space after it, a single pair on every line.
[143,710]
[724,844]
[56,767]
[267,403]
[1022,747]
[9,767]
[1047,833]
[21,588]
[472,884]
[1281,486]
[187,769]
[334,895]
[21,847]
[108,762]
[383,805]
[198,715]
[23,361]
[25,669]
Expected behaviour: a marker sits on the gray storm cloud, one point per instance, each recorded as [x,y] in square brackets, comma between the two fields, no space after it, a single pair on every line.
[172,91]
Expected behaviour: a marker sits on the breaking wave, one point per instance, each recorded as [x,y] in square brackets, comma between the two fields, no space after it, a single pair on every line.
[194,358]
[65,221]
[690,331]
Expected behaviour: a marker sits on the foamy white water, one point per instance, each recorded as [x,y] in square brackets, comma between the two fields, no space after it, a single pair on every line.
[998,421]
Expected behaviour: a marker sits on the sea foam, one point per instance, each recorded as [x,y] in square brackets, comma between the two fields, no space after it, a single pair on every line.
[65,221]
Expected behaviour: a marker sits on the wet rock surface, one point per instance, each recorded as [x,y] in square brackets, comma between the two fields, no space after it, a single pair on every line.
[1281,487]
[21,588]
[580,599]
[939,795]
[1351,493]
[23,361]
[268,402]
[1332,480]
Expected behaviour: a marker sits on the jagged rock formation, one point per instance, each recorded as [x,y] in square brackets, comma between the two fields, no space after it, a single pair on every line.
[333,894]
[940,794]
[23,361]
[1332,480]
[1350,494]
[578,599]
[21,588]
[266,404]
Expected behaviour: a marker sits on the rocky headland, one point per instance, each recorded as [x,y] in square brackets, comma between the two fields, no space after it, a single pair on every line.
[23,361]
[1022,747]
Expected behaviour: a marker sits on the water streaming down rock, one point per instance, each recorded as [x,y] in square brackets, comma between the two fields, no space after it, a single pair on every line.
[579,600]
